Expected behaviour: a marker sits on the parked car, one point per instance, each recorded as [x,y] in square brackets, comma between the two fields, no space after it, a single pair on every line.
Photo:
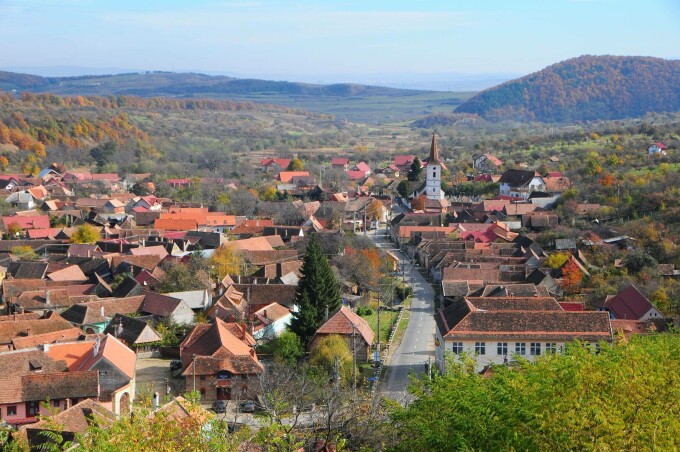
[219,406]
[175,364]
[247,406]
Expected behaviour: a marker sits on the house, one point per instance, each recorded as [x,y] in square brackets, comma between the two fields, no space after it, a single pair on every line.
[363,168]
[520,183]
[352,328]
[197,300]
[18,326]
[628,304]
[286,177]
[270,321]
[496,331]
[556,184]
[219,361]
[71,422]
[111,359]
[657,149]
[340,163]
[274,164]
[134,332]
[22,200]
[94,316]
[168,308]
[403,162]
[22,395]
[486,161]
[26,222]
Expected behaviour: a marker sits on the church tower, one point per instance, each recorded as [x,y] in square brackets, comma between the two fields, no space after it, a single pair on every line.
[433,170]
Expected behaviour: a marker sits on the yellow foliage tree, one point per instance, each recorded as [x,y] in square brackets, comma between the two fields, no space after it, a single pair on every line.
[85,234]
[226,260]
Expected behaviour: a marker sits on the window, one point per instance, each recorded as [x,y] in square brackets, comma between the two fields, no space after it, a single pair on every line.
[520,348]
[457,348]
[202,391]
[535,349]
[550,347]
[32,408]
[202,377]
[434,172]
[12,410]
[502,348]
[56,403]
[480,348]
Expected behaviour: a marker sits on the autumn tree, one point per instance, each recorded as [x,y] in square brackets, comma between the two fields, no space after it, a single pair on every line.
[419,202]
[571,277]
[557,260]
[296,165]
[330,353]
[85,234]
[226,260]
[317,295]
[374,210]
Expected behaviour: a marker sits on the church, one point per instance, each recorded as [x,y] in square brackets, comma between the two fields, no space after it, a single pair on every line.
[432,187]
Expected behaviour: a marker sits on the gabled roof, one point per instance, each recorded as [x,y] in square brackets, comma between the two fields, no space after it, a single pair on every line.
[629,304]
[27,270]
[49,323]
[115,352]
[131,329]
[70,273]
[91,312]
[217,348]
[159,304]
[287,176]
[76,419]
[339,161]
[345,322]
[516,177]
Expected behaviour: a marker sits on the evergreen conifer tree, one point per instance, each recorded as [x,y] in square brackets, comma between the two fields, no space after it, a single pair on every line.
[317,293]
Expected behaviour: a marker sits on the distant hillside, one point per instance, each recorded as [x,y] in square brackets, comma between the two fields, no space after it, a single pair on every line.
[584,88]
[345,100]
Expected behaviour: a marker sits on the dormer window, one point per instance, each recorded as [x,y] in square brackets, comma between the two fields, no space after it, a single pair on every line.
[223,375]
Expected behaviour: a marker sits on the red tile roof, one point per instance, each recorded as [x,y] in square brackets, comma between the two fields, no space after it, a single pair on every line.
[629,304]
[345,322]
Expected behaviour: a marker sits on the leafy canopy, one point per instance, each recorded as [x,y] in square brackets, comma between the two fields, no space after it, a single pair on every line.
[626,397]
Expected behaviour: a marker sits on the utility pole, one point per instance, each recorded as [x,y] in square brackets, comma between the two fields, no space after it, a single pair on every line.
[354,360]
[378,346]
[194,369]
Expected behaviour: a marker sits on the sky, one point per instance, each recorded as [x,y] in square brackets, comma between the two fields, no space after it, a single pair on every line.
[326,38]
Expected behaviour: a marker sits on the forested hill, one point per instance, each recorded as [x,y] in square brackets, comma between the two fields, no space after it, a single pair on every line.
[584,88]
[358,103]
[152,84]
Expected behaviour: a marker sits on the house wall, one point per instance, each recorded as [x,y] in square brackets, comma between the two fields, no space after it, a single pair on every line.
[183,314]
[274,329]
[244,387]
[21,410]
[491,356]
[110,378]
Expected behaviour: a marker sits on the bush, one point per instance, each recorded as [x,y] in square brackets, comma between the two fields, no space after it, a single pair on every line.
[364,311]
[403,292]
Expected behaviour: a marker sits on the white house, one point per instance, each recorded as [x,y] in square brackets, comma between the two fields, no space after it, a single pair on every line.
[495,330]
[520,183]
[658,149]
[270,321]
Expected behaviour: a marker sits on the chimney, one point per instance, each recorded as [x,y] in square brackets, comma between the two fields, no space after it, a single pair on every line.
[47,298]
[97,344]
[101,311]
[46,347]
[265,313]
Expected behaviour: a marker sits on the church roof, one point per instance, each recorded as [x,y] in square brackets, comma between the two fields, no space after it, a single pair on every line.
[434,152]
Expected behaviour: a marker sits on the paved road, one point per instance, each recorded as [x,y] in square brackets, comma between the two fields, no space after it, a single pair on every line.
[417,345]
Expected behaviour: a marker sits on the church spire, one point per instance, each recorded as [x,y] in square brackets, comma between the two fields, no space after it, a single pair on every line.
[434,152]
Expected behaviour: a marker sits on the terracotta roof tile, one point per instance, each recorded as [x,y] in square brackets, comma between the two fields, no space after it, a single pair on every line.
[345,322]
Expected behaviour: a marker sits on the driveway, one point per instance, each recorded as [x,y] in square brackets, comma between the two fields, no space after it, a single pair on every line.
[153,375]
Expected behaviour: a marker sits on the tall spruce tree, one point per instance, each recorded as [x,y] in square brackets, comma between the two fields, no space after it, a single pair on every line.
[317,293]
